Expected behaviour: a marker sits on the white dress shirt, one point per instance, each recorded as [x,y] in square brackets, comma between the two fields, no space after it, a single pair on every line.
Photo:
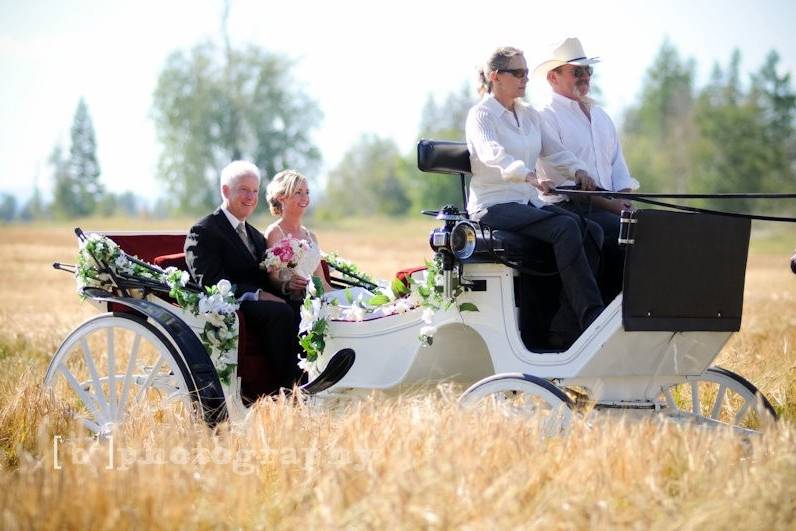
[249,295]
[503,149]
[594,142]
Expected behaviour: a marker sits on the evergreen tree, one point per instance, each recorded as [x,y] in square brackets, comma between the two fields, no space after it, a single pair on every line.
[658,131]
[77,188]
[84,169]
[64,192]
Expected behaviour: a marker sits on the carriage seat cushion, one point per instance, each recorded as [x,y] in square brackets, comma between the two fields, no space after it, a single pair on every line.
[171,260]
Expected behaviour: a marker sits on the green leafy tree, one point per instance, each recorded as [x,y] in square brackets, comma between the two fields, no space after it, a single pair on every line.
[215,105]
[366,182]
[443,121]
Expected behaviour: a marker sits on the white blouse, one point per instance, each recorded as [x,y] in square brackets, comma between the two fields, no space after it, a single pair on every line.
[503,149]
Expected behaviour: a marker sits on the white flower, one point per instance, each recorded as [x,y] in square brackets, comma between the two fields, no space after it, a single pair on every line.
[428,315]
[311,288]
[184,278]
[302,363]
[309,315]
[333,311]
[353,313]
[402,306]
[223,285]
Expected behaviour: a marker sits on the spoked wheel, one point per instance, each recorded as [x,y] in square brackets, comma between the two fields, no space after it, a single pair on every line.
[522,395]
[719,397]
[113,362]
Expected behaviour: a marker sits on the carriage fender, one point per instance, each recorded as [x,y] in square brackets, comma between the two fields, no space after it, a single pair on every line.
[198,364]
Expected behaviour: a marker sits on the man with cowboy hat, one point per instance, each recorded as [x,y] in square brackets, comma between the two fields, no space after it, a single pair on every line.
[587,131]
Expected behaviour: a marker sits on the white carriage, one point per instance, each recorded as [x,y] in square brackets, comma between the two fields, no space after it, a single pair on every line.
[650,351]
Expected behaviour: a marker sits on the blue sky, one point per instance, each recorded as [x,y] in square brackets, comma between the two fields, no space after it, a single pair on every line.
[370,65]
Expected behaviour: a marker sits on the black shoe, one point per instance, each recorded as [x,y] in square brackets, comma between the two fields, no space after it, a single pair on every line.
[335,370]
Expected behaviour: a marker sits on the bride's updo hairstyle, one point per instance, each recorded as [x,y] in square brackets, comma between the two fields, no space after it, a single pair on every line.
[499,60]
[283,184]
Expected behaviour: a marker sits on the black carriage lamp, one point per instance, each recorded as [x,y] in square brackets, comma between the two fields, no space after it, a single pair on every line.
[456,240]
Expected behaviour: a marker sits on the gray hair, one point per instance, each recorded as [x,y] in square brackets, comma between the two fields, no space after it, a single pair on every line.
[499,60]
[283,184]
[235,170]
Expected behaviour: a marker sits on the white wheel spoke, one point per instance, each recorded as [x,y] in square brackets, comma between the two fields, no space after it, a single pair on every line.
[112,405]
[96,372]
[86,397]
[741,413]
[667,393]
[128,376]
[101,401]
[716,411]
[148,381]
[695,405]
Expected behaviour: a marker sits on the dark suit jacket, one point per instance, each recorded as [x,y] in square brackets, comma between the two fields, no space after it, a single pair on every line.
[213,250]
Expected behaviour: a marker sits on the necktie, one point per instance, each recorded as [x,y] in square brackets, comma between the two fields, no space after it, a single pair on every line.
[241,230]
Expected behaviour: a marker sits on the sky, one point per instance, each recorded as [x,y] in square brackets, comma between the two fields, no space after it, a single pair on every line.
[370,65]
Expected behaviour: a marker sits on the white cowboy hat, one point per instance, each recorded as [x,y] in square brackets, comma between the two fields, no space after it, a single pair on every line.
[568,52]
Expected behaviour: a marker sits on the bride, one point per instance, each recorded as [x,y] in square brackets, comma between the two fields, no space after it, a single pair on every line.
[288,196]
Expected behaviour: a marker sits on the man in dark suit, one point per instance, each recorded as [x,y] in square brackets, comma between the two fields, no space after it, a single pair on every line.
[224,246]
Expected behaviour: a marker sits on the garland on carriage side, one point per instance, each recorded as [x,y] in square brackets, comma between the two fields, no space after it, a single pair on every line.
[397,297]
[216,306]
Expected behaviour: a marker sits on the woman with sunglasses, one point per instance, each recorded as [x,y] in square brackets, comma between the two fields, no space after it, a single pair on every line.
[505,137]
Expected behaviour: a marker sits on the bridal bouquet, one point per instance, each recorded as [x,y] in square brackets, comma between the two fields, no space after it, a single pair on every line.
[284,256]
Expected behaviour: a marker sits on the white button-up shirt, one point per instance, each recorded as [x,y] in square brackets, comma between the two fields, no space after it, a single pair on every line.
[594,142]
[503,151]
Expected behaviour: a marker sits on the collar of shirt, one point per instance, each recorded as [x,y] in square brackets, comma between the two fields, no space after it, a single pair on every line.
[572,105]
[232,219]
[495,108]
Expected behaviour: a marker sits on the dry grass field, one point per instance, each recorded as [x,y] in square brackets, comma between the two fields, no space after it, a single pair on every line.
[413,462]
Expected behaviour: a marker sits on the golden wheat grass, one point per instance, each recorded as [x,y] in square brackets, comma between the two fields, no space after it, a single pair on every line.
[411,462]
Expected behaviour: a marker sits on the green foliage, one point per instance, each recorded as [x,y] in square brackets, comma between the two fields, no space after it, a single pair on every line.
[366,181]
[8,207]
[77,190]
[444,121]
[726,137]
[212,106]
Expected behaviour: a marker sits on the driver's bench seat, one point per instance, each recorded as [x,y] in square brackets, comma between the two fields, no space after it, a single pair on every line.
[539,282]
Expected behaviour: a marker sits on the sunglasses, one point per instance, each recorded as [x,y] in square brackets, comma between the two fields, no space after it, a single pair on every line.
[519,73]
[581,71]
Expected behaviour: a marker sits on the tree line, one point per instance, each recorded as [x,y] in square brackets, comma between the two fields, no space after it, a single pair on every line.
[215,103]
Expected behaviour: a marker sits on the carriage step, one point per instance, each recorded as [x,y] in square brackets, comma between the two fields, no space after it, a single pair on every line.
[335,370]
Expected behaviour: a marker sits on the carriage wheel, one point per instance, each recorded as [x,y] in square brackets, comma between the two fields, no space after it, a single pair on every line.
[113,362]
[523,395]
[721,398]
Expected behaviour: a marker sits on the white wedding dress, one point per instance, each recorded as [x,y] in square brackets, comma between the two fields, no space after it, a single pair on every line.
[309,263]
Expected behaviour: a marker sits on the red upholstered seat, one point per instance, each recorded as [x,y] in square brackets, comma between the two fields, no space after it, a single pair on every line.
[171,260]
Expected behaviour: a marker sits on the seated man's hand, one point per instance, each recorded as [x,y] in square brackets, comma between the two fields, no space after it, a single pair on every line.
[266,296]
[585,181]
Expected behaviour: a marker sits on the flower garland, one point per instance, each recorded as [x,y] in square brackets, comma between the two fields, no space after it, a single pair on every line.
[216,306]
[397,297]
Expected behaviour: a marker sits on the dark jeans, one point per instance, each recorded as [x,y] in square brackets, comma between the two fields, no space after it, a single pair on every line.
[576,245]
[612,263]
[277,325]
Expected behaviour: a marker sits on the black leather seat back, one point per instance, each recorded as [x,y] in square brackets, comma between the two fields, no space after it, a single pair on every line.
[443,156]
